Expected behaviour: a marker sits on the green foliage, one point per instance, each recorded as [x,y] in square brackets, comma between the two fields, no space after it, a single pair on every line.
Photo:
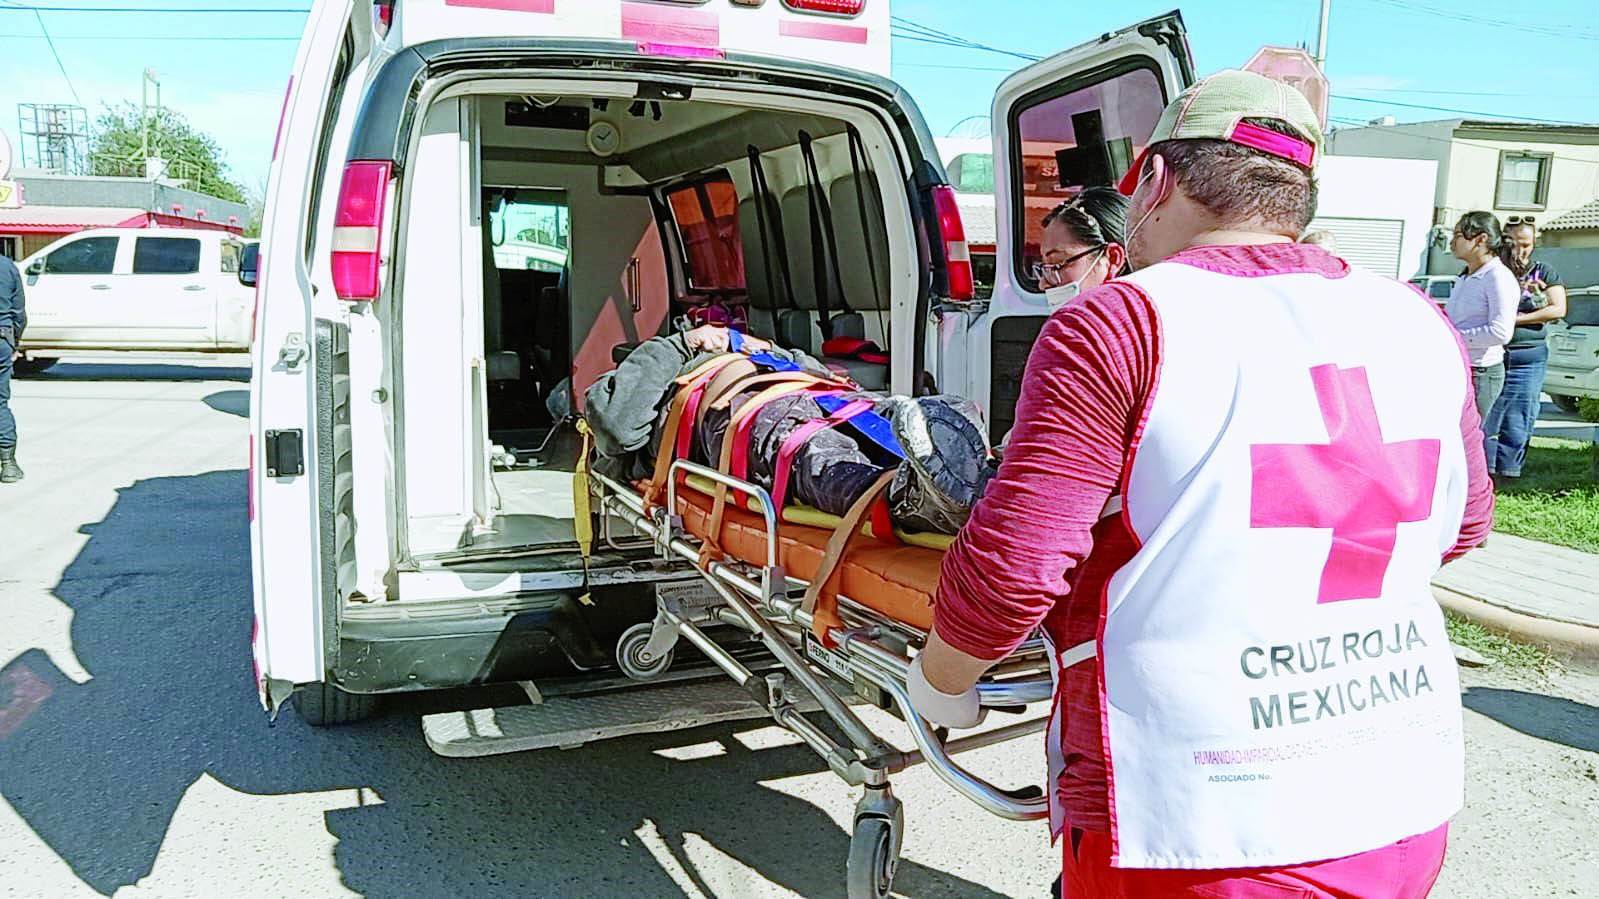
[1556,499]
[1498,647]
[1588,408]
[193,156]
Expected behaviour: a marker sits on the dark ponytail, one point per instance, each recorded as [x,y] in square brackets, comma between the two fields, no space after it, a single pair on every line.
[1480,223]
[1096,217]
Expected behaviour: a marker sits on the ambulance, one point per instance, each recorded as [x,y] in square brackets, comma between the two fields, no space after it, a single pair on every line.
[476,207]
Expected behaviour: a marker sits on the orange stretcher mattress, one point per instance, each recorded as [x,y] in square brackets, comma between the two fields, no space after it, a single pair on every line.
[891,578]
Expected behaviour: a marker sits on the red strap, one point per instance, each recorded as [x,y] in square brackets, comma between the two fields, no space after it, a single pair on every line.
[797,438]
[739,464]
[883,522]
[685,427]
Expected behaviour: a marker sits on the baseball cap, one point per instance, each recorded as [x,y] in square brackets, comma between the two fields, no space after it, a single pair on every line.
[1214,108]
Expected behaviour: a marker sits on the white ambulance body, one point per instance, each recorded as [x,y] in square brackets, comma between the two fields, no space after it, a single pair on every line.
[477,206]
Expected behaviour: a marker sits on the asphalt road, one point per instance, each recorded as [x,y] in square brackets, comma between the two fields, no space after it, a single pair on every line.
[134,759]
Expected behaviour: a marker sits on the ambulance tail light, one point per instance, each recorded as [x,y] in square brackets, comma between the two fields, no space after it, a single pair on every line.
[382,17]
[829,7]
[357,229]
[957,257]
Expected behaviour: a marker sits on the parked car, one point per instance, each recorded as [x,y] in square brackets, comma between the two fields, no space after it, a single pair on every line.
[1437,287]
[1574,350]
[137,289]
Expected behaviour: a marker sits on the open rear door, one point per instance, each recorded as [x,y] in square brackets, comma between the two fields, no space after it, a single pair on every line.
[1076,119]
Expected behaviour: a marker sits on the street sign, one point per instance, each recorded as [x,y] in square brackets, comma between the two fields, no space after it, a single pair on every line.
[10,195]
[1296,68]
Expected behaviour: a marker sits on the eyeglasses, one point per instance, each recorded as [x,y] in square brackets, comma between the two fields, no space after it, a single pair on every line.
[1051,272]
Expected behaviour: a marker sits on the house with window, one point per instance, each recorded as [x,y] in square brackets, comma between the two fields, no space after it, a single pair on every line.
[1514,169]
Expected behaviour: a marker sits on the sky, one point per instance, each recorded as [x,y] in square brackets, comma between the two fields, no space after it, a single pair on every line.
[1416,60]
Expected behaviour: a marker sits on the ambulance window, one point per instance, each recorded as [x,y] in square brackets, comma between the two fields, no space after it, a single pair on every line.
[706,214]
[1071,136]
[330,119]
[529,230]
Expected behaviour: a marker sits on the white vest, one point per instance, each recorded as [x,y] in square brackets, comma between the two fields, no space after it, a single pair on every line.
[1278,688]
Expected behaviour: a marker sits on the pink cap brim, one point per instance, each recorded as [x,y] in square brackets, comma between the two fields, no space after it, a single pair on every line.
[1129,182]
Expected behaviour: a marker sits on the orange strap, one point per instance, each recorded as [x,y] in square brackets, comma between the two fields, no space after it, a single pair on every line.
[746,412]
[821,597]
[688,385]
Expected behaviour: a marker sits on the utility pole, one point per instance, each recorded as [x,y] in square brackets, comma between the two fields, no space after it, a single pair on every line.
[149,79]
[1321,36]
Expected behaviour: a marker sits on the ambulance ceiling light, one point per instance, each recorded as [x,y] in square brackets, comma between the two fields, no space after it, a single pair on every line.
[829,7]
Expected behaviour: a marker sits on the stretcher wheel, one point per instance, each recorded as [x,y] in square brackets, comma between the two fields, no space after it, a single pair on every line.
[874,855]
[630,653]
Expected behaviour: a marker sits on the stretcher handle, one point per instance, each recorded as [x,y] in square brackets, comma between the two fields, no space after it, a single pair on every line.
[761,497]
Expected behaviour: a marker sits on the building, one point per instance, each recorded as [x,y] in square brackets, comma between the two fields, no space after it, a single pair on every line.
[1380,210]
[1545,172]
[1578,228]
[53,206]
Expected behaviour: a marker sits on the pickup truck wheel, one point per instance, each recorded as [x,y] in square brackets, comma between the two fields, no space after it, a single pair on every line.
[324,705]
[32,365]
[1567,403]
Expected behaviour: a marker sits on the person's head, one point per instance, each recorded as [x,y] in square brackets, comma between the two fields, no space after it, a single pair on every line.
[1520,237]
[1476,238]
[1234,153]
[1324,239]
[1083,243]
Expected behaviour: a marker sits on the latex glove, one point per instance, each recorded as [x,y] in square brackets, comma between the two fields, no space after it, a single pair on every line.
[939,708]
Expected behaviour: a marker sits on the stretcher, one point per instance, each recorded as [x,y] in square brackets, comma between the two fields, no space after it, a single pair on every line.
[842,603]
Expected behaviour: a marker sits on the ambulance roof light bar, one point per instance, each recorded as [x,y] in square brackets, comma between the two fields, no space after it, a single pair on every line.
[828,7]
[357,229]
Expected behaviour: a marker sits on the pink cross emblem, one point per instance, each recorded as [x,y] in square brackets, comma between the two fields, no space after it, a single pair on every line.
[1357,485]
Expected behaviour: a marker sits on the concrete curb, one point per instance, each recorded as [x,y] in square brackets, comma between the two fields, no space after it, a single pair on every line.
[1575,643]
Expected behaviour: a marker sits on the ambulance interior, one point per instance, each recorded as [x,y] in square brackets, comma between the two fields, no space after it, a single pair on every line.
[591,224]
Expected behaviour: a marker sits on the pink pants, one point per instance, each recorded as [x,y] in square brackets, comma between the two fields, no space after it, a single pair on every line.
[1403,870]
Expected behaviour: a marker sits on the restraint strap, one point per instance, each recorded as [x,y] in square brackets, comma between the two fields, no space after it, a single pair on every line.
[769,217]
[824,242]
[821,597]
[797,438]
[859,167]
[688,386]
[734,448]
[707,394]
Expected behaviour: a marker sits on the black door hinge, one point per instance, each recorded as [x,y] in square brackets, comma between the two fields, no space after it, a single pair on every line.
[285,453]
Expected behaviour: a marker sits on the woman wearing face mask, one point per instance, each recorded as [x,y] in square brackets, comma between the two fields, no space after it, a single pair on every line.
[1483,303]
[1083,244]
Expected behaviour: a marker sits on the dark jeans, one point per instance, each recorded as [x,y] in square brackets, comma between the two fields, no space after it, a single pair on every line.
[1509,424]
[8,422]
[1487,383]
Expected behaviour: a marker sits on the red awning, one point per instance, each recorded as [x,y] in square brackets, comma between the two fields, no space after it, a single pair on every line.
[68,219]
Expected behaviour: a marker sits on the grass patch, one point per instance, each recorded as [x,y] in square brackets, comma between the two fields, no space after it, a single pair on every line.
[1507,652]
[1556,499]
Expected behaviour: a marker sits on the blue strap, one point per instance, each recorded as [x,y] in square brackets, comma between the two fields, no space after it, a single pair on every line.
[876,428]
[735,340]
[775,363]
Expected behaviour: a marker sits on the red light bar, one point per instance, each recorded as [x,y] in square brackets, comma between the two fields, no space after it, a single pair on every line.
[357,229]
[829,7]
[957,257]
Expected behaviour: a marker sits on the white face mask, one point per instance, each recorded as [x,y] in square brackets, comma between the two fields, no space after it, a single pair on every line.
[1131,232]
[1062,294]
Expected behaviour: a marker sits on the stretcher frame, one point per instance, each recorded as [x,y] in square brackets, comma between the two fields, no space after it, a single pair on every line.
[871,652]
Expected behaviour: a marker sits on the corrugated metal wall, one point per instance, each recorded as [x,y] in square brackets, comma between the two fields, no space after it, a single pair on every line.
[1371,244]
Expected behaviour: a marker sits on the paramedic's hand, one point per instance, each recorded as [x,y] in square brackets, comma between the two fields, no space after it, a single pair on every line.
[952,710]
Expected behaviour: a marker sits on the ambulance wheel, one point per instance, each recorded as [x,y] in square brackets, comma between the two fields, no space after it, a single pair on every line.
[873,857]
[32,365]
[1567,403]
[630,653]
[324,705]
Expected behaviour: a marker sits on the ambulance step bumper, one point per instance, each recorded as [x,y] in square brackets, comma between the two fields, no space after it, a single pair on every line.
[568,722]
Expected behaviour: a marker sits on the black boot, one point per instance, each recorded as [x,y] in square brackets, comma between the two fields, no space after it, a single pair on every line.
[946,463]
[9,472]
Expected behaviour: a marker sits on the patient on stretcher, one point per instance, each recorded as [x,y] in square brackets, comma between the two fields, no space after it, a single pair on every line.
[823,446]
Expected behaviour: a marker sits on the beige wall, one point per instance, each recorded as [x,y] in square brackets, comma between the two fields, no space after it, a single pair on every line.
[1589,238]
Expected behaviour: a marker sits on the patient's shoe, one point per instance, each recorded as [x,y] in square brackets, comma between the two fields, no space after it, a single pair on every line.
[946,463]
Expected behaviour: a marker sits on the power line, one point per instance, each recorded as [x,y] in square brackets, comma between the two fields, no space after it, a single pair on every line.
[185,10]
[1565,31]
[57,54]
[1358,123]
[127,37]
[1492,115]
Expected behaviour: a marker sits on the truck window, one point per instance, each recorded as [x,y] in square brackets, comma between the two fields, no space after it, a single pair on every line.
[166,256]
[1582,311]
[530,231]
[89,256]
[1065,140]
[230,257]
[706,214]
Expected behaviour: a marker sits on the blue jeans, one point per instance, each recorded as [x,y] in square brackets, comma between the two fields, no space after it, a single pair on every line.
[1509,424]
[8,423]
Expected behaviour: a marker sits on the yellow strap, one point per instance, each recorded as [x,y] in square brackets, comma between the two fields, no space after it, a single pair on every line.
[583,521]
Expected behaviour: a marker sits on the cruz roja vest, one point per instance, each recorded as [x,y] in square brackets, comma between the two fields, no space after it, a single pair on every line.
[1277,685]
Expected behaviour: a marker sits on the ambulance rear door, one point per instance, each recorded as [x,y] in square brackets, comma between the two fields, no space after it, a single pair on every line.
[1076,119]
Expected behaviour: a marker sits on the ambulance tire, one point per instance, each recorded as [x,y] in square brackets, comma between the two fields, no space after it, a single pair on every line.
[324,705]
[32,365]
[873,857]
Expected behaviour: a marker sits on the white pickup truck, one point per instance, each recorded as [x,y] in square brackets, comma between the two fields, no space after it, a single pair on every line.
[138,289]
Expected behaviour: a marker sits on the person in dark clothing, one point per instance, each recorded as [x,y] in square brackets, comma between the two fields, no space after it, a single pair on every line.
[1508,425]
[940,439]
[13,321]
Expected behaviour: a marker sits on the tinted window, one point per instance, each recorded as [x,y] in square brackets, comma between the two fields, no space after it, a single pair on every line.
[250,258]
[1063,142]
[1583,310]
[90,256]
[707,219]
[166,256]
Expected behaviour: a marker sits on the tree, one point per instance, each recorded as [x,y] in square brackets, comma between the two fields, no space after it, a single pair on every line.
[118,149]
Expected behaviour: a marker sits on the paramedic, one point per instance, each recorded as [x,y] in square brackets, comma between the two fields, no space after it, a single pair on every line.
[1231,534]
[13,319]
[1083,244]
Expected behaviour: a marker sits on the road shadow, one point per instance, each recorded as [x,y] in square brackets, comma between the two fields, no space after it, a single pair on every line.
[233,402]
[1552,718]
[162,614]
[143,371]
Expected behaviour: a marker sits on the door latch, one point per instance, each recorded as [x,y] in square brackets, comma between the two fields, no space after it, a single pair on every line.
[285,453]
[293,353]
